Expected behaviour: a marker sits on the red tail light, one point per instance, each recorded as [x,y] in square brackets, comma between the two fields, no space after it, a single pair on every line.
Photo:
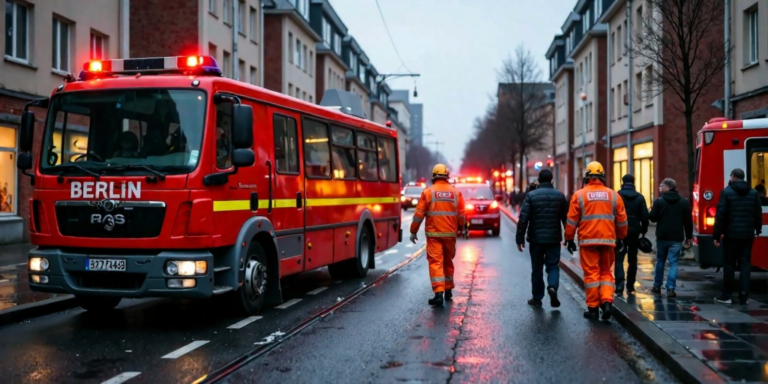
[495,205]
[711,211]
[469,206]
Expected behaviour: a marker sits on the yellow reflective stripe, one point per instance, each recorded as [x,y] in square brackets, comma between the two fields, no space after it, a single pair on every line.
[245,205]
[440,234]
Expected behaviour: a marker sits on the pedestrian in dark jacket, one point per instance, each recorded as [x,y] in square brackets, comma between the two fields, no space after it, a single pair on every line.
[672,213]
[738,220]
[543,215]
[637,216]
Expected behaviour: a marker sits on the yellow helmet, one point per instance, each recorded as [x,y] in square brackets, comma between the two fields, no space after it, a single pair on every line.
[440,171]
[595,169]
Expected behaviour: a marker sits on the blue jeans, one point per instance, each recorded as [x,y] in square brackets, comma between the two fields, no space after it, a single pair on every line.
[544,255]
[666,251]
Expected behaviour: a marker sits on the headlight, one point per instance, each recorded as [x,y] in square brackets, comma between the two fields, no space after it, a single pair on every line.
[414,201]
[186,268]
[171,268]
[402,198]
[38,264]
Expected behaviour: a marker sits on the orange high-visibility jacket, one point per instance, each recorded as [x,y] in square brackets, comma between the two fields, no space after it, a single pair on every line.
[599,214]
[443,206]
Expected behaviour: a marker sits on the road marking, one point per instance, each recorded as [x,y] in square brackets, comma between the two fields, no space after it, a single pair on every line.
[121,378]
[316,291]
[409,245]
[243,323]
[288,303]
[391,251]
[186,349]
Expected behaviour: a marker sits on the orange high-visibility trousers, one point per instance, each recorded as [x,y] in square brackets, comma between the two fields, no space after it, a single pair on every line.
[440,254]
[597,261]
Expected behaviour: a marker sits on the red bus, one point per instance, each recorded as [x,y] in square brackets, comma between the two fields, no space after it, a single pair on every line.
[722,146]
[158,177]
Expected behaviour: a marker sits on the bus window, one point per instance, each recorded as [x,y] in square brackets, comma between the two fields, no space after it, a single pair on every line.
[223,134]
[758,173]
[366,157]
[343,144]
[387,160]
[317,154]
[286,145]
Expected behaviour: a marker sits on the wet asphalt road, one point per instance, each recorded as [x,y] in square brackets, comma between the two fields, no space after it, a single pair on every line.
[486,334]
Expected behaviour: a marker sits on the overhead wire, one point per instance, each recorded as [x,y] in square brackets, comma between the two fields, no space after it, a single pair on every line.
[391,40]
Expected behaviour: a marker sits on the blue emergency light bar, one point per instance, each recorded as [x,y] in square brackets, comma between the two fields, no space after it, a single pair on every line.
[188,65]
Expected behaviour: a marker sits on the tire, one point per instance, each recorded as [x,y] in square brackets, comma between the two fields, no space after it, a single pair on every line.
[495,232]
[98,303]
[358,266]
[250,298]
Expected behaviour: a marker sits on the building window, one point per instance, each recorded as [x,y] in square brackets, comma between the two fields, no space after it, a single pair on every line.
[304,58]
[337,44]
[252,15]
[613,56]
[361,73]
[290,89]
[7,170]
[212,6]
[16,31]
[227,65]
[327,32]
[304,95]
[619,49]
[648,84]
[252,77]
[241,16]
[297,54]
[60,44]
[212,50]
[752,47]
[97,46]
[598,10]
[311,69]
[585,21]
[353,62]
[286,144]
[227,11]
[567,45]
[241,70]
[290,48]
[613,108]
[317,154]
[298,93]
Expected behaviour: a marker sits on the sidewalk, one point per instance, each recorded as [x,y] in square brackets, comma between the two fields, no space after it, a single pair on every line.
[17,301]
[699,340]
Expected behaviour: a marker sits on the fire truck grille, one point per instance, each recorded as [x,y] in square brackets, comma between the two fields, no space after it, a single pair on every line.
[109,280]
[129,222]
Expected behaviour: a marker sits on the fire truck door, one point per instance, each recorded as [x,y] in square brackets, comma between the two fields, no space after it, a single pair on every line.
[288,190]
[756,151]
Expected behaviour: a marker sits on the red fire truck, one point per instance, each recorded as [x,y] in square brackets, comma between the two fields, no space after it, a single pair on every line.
[721,146]
[158,177]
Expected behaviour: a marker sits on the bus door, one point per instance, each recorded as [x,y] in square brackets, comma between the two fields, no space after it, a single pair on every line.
[287,190]
[757,171]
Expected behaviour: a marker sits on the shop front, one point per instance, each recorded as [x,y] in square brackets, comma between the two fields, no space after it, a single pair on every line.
[11,224]
[642,160]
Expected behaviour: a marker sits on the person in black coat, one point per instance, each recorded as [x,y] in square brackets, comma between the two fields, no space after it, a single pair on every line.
[673,216]
[738,220]
[543,216]
[637,216]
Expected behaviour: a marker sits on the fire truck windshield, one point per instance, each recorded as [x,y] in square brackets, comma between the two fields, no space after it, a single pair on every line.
[133,131]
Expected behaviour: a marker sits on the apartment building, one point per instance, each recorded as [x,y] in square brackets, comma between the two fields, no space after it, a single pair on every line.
[192,27]
[44,41]
[331,67]
[289,49]
[561,75]
[379,96]
[749,69]
[356,77]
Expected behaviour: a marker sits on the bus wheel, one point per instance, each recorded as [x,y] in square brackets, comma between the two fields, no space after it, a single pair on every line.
[252,294]
[98,303]
[357,267]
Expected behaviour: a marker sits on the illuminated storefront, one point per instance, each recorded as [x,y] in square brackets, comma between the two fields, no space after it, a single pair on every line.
[642,159]
[8,175]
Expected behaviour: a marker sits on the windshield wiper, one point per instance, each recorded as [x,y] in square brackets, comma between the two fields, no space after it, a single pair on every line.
[147,168]
[65,168]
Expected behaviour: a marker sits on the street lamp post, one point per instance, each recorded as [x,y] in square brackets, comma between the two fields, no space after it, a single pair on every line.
[583,97]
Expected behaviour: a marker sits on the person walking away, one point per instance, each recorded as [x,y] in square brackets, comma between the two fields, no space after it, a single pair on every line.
[543,215]
[637,217]
[443,207]
[738,220]
[672,213]
[597,213]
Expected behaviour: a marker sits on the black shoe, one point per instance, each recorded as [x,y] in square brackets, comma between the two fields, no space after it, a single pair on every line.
[553,301]
[630,290]
[723,299]
[448,294]
[606,308]
[437,300]
[656,290]
[592,313]
[619,292]
[534,302]
[671,293]
[742,299]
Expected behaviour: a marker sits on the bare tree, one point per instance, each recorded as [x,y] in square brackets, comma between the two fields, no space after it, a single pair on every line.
[520,111]
[682,41]
[485,151]
[420,159]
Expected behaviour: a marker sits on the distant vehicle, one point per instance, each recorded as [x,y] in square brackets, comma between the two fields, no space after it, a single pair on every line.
[482,208]
[410,196]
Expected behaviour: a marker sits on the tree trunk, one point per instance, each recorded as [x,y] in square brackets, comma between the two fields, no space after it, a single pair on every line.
[522,165]
[689,144]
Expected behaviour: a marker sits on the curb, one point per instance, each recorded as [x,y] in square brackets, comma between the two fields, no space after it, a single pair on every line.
[38,308]
[673,355]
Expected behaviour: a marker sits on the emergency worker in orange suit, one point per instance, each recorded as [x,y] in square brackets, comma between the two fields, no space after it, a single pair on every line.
[443,207]
[597,213]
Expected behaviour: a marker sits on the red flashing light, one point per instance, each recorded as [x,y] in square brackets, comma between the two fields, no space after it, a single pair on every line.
[388,124]
[191,61]
[711,211]
[97,66]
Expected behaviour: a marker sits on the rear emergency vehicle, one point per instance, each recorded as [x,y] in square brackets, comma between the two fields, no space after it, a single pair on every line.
[482,208]
[158,177]
[721,146]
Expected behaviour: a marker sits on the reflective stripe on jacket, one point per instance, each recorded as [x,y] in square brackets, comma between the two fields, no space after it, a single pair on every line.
[443,207]
[599,214]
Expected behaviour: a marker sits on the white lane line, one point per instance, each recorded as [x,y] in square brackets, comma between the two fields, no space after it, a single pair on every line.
[409,245]
[316,291]
[288,303]
[121,378]
[186,349]
[243,323]
[391,251]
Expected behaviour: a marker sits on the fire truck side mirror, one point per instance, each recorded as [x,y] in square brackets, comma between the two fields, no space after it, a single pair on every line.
[243,157]
[26,131]
[24,161]
[242,135]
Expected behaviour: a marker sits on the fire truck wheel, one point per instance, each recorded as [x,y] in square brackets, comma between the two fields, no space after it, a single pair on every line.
[98,303]
[495,231]
[251,296]
[357,267]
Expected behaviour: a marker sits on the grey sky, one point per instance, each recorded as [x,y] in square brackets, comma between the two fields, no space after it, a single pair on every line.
[457,47]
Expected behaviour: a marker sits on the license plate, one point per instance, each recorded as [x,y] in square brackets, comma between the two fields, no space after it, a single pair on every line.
[476,221]
[105,265]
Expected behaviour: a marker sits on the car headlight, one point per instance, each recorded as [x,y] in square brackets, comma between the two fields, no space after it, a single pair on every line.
[414,201]
[402,198]
[38,264]
[186,268]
